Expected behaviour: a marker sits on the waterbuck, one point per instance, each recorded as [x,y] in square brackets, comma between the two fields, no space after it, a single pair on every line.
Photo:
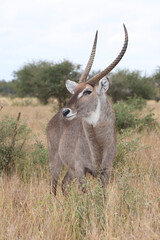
[82,135]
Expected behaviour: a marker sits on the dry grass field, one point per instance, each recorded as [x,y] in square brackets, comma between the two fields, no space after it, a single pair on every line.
[130,211]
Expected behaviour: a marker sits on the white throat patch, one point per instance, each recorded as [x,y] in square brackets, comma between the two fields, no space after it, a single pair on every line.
[94,116]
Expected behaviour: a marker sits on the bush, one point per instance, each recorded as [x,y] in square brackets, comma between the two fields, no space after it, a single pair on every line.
[125,83]
[16,151]
[128,115]
[148,122]
[125,118]
[136,102]
[12,140]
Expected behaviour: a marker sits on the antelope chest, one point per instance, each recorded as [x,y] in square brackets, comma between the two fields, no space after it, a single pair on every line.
[73,148]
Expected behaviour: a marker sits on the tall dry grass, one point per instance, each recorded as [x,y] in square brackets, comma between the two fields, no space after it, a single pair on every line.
[131,209]
[36,116]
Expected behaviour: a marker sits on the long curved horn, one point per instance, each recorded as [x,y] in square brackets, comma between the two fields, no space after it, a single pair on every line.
[90,62]
[100,75]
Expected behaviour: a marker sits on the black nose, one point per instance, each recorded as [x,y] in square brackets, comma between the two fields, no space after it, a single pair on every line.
[65,112]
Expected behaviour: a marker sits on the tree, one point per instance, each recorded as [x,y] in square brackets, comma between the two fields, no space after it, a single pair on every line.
[6,88]
[45,79]
[156,77]
[125,83]
[119,85]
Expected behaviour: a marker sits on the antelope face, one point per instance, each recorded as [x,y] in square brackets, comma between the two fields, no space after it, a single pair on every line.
[85,102]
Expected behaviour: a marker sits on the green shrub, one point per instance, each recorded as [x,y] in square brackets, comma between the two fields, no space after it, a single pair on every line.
[125,117]
[128,115]
[16,151]
[136,102]
[40,154]
[12,140]
[148,122]
[125,83]
[38,158]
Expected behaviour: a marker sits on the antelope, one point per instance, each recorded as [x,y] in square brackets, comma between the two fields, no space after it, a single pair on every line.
[82,135]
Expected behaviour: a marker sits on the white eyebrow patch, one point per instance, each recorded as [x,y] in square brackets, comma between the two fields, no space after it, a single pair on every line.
[81,93]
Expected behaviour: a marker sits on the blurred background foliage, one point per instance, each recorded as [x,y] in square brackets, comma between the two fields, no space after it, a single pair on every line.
[45,80]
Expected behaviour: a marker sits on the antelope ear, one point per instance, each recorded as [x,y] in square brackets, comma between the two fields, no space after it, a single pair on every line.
[103,85]
[70,85]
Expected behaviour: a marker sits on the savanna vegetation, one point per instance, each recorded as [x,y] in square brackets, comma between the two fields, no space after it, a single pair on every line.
[130,208]
[45,80]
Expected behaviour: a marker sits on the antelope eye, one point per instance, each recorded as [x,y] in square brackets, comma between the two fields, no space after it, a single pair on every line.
[87,92]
